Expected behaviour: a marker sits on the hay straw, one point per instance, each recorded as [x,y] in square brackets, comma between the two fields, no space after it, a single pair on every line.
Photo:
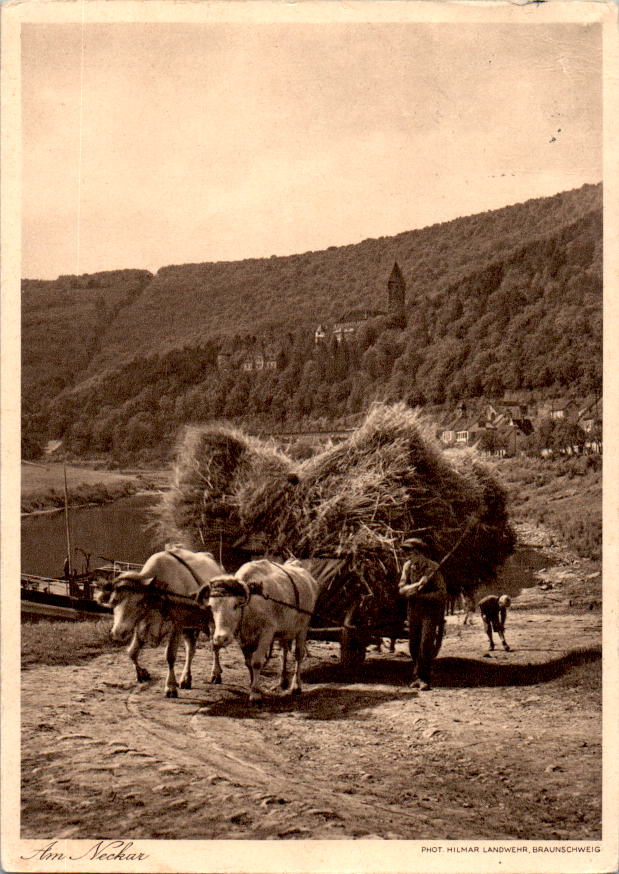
[359,500]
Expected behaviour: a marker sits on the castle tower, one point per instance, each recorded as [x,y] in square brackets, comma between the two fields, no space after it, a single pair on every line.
[396,290]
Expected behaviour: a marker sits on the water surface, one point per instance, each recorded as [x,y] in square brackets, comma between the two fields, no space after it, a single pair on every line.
[118,530]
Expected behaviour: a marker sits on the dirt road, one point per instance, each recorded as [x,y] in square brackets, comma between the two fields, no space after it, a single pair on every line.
[507,746]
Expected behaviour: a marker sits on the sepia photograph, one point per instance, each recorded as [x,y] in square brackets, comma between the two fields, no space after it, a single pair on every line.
[303,440]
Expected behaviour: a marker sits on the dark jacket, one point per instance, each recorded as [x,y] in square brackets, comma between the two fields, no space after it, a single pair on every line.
[413,584]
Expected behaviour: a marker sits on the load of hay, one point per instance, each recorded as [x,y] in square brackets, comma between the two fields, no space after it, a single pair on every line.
[360,501]
[214,469]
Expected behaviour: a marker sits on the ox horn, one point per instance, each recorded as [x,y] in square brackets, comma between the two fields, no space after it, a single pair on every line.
[203,593]
[246,589]
[132,580]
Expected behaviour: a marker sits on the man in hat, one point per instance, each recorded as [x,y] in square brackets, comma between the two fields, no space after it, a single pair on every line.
[424,588]
[493,611]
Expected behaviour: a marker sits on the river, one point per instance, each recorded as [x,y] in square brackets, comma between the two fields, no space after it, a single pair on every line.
[121,531]
[118,530]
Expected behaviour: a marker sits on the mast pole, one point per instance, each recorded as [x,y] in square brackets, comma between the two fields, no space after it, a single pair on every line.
[66,520]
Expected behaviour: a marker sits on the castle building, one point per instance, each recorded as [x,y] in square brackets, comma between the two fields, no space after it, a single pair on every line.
[396,291]
[348,324]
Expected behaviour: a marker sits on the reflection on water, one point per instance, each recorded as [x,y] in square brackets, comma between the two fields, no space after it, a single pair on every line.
[117,530]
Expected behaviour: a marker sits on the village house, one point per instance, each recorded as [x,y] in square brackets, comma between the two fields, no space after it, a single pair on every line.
[507,417]
[564,409]
[261,357]
[460,428]
[465,428]
[590,414]
[505,412]
[320,334]
[224,361]
[590,418]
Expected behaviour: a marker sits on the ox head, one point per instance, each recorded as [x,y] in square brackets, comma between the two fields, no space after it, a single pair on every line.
[227,596]
[130,598]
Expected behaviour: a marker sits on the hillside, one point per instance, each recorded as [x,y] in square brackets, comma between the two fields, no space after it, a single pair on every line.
[64,323]
[509,299]
[192,302]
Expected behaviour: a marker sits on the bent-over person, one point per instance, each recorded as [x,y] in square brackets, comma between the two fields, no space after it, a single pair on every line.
[493,611]
[424,587]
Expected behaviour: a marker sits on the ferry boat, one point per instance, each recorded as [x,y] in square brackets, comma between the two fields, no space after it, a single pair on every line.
[67,599]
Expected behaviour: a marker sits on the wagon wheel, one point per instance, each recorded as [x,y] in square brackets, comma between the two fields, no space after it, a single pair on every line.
[352,649]
[352,643]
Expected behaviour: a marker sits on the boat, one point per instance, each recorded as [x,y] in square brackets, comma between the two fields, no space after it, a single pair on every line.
[68,599]
[71,597]
[49,598]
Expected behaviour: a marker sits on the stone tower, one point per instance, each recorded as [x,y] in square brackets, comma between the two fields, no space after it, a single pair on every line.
[396,290]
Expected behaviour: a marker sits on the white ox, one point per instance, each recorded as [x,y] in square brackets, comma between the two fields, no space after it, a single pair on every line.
[262,602]
[144,612]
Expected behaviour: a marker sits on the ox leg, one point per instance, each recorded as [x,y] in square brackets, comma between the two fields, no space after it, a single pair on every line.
[216,669]
[133,650]
[299,652]
[255,662]
[283,680]
[171,686]
[190,637]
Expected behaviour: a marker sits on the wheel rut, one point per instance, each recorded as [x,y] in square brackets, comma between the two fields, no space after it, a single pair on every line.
[216,733]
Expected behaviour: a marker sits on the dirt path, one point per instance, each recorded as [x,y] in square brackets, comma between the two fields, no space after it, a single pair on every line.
[503,747]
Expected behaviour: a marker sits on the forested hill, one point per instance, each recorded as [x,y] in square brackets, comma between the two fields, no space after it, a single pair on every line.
[509,299]
[192,302]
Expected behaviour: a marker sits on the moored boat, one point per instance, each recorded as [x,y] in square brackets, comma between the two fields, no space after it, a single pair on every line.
[67,599]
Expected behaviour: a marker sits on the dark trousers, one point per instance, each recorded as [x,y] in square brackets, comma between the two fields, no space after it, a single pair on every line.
[424,621]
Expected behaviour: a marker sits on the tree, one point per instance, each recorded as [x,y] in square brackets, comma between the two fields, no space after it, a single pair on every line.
[491,441]
[138,433]
[31,441]
[568,437]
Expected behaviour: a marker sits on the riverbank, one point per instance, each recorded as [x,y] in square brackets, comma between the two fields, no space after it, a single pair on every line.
[42,486]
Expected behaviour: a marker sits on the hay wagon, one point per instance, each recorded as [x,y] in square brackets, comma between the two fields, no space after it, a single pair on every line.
[351,512]
[349,612]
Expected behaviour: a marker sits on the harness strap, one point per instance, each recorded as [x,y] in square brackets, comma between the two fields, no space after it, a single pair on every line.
[285,604]
[295,589]
[199,581]
[294,585]
[256,589]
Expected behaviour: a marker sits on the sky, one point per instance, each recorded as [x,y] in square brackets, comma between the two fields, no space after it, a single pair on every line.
[153,144]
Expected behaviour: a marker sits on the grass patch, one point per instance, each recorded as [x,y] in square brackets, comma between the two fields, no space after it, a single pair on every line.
[64,643]
[564,495]
[42,486]
[97,493]
[585,679]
